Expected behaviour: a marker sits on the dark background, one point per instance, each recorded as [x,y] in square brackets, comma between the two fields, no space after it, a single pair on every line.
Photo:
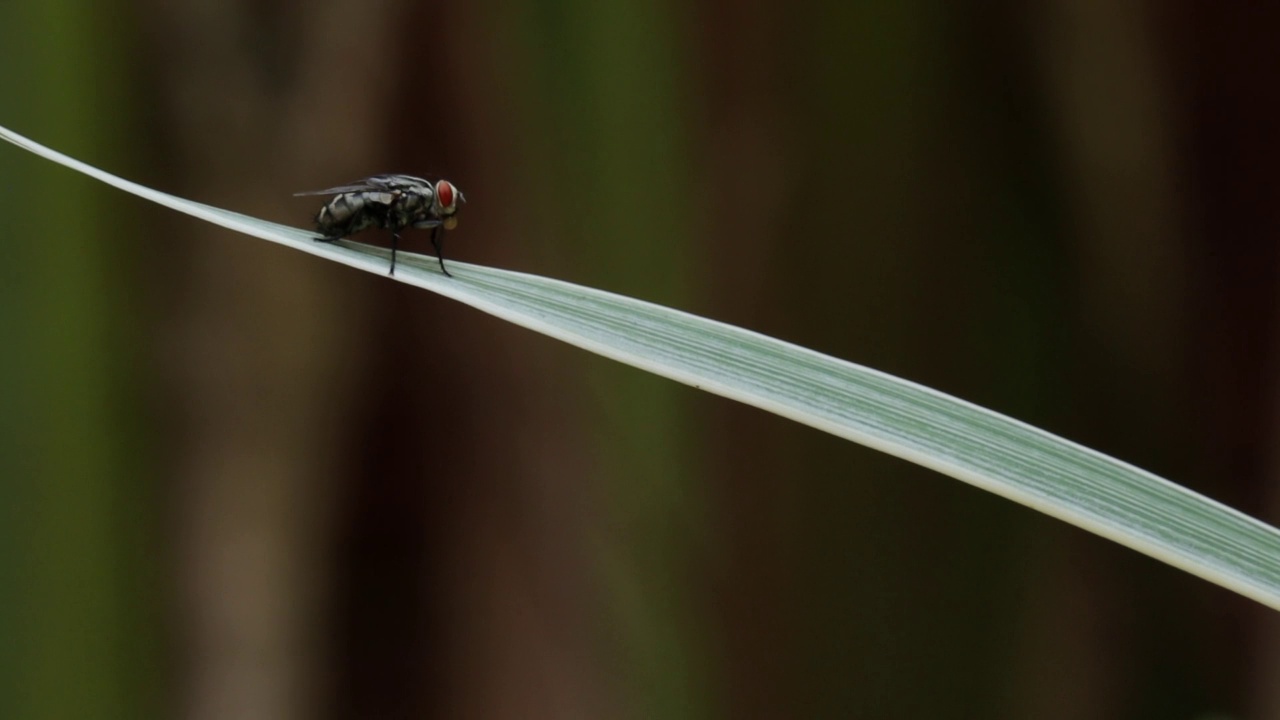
[240,482]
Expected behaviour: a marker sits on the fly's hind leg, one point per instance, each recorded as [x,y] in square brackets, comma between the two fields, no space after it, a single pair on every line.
[389,222]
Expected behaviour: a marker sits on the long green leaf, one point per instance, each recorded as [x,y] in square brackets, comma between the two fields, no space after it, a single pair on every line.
[1009,458]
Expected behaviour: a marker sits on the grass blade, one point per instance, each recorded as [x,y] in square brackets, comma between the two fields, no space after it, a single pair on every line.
[983,448]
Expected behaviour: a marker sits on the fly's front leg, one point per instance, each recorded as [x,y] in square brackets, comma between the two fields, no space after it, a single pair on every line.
[435,243]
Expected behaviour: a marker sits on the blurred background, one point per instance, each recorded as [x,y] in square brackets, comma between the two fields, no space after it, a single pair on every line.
[240,482]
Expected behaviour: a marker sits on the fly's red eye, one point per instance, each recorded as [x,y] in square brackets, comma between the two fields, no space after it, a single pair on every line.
[444,191]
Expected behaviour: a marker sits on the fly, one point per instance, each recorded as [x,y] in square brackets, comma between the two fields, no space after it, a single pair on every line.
[394,202]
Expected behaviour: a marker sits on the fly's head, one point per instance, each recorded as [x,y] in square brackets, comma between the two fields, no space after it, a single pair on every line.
[447,199]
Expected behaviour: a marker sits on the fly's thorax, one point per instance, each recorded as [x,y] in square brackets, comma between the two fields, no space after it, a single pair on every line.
[417,201]
[411,207]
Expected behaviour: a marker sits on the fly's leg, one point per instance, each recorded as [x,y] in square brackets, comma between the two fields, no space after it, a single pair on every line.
[435,243]
[390,222]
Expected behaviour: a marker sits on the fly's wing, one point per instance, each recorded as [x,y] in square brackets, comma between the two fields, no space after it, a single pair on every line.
[377,183]
[357,186]
[400,182]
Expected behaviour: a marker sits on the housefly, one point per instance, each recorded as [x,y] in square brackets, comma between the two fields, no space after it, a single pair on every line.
[394,202]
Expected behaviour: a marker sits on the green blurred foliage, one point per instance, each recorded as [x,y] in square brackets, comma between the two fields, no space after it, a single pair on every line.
[75,507]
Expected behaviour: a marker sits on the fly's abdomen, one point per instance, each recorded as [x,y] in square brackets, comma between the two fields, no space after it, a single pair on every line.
[350,213]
